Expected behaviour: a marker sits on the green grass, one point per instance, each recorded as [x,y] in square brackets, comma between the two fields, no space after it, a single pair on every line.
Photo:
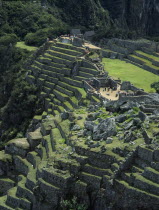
[129,72]
[155,58]
[22,45]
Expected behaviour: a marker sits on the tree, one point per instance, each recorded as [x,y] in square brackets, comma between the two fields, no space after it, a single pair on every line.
[155,85]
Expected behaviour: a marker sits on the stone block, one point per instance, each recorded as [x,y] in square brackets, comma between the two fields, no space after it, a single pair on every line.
[145,154]
[17,147]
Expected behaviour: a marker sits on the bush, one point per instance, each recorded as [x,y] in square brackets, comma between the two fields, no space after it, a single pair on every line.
[8,39]
[155,85]
[38,38]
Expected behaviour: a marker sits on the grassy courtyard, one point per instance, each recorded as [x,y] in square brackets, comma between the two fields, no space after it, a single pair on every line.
[22,45]
[128,72]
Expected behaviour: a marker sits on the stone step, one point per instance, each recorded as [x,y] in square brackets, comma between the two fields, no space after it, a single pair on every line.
[73,101]
[65,51]
[47,90]
[56,102]
[49,73]
[50,85]
[31,180]
[18,146]
[142,183]
[57,59]
[67,106]
[73,82]
[80,189]
[12,200]
[53,69]
[64,90]
[130,61]
[145,154]
[3,205]
[96,171]
[75,90]
[55,64]
[30,79]
[6,184]
[56,138]
[56,112]
[141,163]
[43,76]
[60,96]
[48,146]
[151,106]
[60,108]
[136,169]
[22,191]
[62,55]
[137,194]
[136,59]
[80,159]
[64,128]
[52,80]
[34,138]
[71,47]
[80,78]
[151,174]
[88,70]
[155,165]
[51,193]
[40,82]
[95,99]
[49,111]
[85,75]
[33,158]
[47,126]
[154,59]
[22,165]
[70,165]
[41,152]
[92,180]
[56,177]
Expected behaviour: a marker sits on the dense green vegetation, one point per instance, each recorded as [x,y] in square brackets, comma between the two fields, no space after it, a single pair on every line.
[128,72]
[155,85]
[22,45]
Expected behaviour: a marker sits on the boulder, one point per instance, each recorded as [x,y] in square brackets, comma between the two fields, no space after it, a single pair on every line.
[129,136]
[105,129]
[146,137]
[89,125]
[76,128]
[128,105]
[142,116]
[121,118]
[109,140]
[65,115]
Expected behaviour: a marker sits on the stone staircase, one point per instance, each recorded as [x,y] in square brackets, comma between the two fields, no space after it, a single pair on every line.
[59,74]
[141,179]
[138,54]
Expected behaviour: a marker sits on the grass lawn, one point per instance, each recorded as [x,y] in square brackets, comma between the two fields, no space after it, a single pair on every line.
[129,72]
[24,46]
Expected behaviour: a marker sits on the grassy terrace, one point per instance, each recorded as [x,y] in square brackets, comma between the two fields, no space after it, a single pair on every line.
[146,62]
[129,72]
[22,45]
[155,58]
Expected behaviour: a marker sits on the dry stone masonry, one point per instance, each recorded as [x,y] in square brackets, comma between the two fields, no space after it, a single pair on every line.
[103,152]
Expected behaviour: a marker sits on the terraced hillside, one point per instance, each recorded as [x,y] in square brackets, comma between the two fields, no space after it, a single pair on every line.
[78,146]
[139,53]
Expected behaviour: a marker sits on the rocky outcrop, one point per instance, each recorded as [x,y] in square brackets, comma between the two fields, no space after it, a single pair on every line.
[138,15]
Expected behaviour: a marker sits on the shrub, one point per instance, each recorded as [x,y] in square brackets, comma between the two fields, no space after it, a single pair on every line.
[155,85]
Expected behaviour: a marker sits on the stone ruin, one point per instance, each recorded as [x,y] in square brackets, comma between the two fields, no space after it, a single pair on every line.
[103,152]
